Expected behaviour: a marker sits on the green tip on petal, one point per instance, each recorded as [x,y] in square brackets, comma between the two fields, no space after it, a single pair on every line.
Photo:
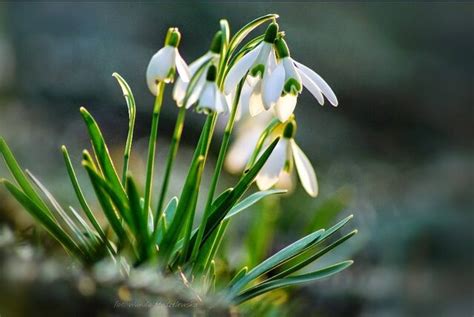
[258,70]
[281,48]
[211,73]
[216,44]
[292,86]
[271,33]
[289,131]
[173,37]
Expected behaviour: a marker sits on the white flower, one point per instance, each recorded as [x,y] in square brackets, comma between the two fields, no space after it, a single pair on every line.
[180,87]
[285,153]
[165,62]
[257,63]
[211,99]
[247,135]
[286,81]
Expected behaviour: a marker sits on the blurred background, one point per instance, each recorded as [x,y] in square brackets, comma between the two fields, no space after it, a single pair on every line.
[397,152]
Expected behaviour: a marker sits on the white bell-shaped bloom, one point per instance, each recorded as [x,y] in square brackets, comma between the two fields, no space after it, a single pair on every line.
[211,99]
[180,87]
[247,134]
[285,82]
[165,62]
[285,153]
[257,63]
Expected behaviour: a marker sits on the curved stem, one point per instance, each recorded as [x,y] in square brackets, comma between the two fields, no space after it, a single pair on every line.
[152,144]
[178,129]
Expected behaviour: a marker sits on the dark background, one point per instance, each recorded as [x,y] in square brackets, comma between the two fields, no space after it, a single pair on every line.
[400,141]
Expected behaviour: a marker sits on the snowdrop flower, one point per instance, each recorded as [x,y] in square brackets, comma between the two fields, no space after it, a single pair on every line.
[285,154]
[211,99]
[257,63]
[166,61]
[179,90]
[247,136]
[287,80]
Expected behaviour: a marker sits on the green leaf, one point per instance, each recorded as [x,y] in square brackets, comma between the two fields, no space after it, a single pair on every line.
[219,211]
[48,223]
[140,219]
[277,259]
[241,273]
[104,200]
[313,257]
[249,27]
[62,215]
[165,219]
[252,199]
[82,200]
[132,110]
[20,177]
[292,280]
[102,153]
[181,214]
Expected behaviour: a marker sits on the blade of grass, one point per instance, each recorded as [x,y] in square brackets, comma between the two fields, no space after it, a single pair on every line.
[82,200]
[277,259]
[48,223]
[132,110]
[292,280]
[102,153]
[20,177]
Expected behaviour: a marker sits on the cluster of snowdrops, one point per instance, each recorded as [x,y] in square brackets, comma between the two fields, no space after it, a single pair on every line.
[254,84]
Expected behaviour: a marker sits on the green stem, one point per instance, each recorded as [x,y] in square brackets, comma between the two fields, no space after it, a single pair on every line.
[217,171]
[152,144]
[178,129]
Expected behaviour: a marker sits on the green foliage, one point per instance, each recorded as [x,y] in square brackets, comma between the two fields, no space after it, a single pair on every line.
[168,238]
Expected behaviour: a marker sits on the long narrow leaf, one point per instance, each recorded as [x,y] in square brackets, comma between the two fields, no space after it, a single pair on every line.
[54,229]
[292,280]
[251,200]
[277,259]
[20,177]
[132,110]
[313,257]
[102,152]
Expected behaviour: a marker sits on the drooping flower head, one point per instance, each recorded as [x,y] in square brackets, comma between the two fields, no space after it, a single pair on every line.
[211,99]
[164,64]
[257,63]
[200,65]
[286,81]
[286,154]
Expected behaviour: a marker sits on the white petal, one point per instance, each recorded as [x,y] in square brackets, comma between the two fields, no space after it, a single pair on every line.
[285,107]
[182,67]
[255,101]
[221,103]
[270,172]
[241,150]
[327,91]
[240,68]
[312,87]
[290,69]
[207,100]
[273,85]
[196,91]
[194,66]
[179,91]
[160,67]
[305,170]
[244,100]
